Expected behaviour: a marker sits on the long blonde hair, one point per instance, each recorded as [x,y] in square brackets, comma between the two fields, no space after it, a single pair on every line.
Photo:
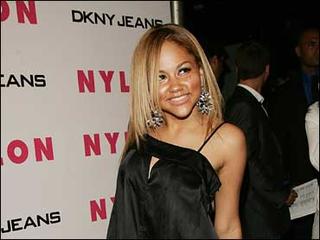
[144,78]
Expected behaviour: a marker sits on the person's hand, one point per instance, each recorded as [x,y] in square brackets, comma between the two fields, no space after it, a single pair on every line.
[292,197]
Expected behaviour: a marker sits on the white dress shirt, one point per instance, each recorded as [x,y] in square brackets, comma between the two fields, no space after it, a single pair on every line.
[256,94]
[312,130]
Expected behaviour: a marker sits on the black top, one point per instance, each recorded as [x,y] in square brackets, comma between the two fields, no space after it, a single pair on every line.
[173,201]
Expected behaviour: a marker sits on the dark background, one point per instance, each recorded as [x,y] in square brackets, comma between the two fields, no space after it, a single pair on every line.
[231,22]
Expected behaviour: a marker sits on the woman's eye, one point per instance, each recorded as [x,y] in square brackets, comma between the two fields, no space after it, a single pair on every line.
[162,77]
[184,70]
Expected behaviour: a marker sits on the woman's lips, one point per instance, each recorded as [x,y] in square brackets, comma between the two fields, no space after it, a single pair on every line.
[179,99]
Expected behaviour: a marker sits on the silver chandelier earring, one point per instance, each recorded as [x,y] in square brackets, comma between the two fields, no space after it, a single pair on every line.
[156,120]
[205,102]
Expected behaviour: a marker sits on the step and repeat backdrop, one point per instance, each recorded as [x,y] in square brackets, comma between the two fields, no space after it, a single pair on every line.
[64,111]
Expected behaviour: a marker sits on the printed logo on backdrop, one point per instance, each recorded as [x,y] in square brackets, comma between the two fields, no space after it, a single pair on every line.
[113,20]
[18,151]
[33,221]
[92,144]
[13,80]
[98,209]
[87,80]
[23,11]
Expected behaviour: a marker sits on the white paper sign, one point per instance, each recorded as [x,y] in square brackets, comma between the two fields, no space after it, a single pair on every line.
[305,203]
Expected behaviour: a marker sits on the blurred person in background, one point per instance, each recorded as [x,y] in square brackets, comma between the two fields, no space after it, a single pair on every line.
[288,107]
[265,194]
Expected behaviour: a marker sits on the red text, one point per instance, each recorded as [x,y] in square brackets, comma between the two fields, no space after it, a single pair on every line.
[92,144]
[25,10]
[99,209]
[86,80]
[18,150]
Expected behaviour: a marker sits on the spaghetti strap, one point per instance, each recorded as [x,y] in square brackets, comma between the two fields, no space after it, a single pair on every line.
[205,142]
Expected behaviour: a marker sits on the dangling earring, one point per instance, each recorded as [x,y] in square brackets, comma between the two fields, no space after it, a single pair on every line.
[205,102]
[156,120]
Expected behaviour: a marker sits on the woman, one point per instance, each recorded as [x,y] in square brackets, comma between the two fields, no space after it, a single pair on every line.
[179,156]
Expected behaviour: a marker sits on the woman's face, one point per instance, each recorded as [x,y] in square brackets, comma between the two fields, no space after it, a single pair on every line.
[179,81]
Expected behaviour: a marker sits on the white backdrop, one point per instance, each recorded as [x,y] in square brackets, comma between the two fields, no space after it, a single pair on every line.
[64,111]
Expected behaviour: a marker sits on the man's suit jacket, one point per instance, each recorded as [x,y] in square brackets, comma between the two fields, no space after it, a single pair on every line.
[288,107]
[263,211]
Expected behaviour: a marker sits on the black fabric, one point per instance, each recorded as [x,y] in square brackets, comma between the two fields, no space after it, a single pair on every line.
[288,107]
[263,212]
[174,203]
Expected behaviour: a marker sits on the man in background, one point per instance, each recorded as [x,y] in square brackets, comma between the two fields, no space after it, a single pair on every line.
[265,194]
[288,108]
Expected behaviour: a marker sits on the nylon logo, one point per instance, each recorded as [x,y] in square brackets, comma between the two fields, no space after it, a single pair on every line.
[99,209]
[92,144]
[18,150]
[25,11]
[111,79]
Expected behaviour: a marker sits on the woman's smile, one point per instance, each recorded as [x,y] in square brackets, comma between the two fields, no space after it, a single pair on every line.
[179,100]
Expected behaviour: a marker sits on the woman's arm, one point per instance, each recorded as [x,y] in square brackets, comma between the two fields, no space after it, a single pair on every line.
[233,158]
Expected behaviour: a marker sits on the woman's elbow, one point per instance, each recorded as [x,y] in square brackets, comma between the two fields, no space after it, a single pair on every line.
[229,231]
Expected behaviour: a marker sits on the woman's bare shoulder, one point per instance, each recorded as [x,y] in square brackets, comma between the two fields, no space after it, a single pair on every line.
[230,133]
[232,145]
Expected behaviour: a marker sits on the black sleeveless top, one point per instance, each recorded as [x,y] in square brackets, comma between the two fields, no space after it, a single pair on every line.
[172,201]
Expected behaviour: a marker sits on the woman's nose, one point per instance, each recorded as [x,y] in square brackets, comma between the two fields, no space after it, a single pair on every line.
[175,85]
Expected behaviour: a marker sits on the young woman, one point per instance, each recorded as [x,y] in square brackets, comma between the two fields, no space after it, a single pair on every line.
[180,157]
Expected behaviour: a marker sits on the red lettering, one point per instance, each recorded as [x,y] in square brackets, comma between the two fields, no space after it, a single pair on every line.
[107,79]
[92,144]
[18,151]
[5,10]
[11,151]
[97,209]
[29,12]
[112,139]
[123,86]
[84,81]
[88,81]
[46,149]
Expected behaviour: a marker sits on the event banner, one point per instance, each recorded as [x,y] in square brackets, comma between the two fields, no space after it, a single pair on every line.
[65,69]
